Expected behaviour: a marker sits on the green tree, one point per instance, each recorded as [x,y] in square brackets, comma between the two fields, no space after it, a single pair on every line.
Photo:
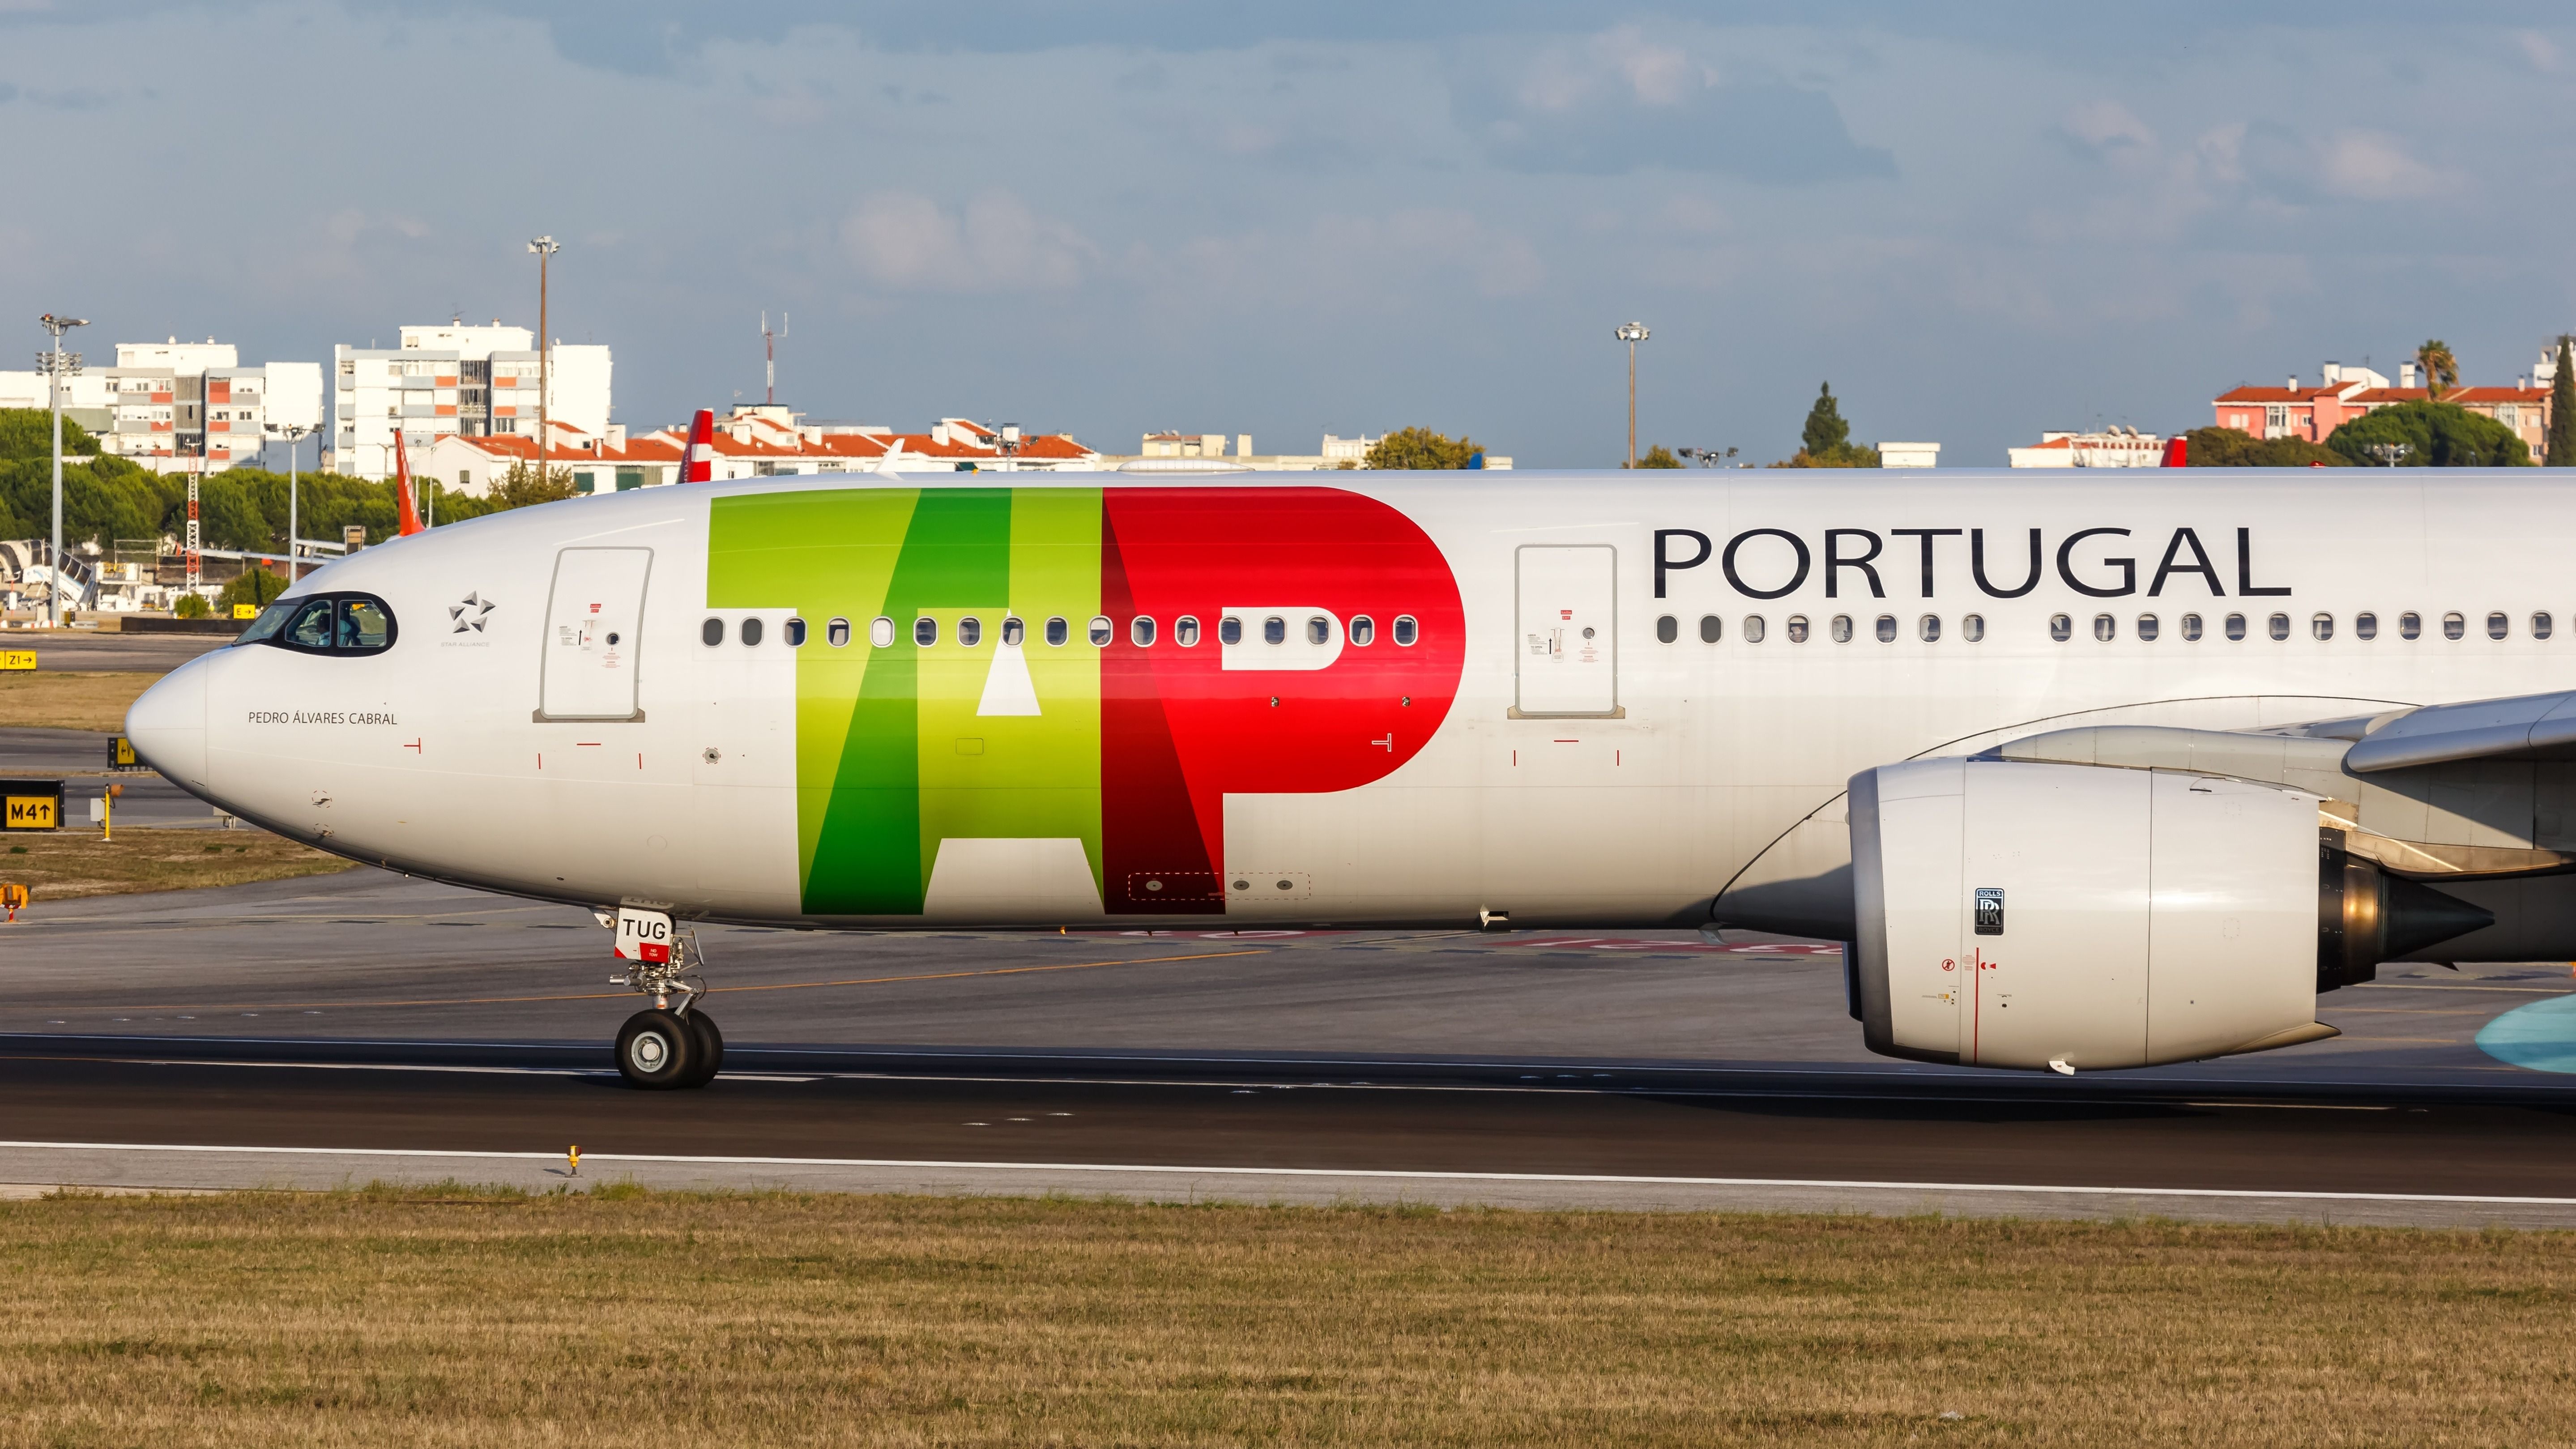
[1421,448]
[2560,443]
[1658,456]
[254,586]
[192,606]
[524,486]
[29,433]
[2441,369]
[1826,442]
[2434,435]
[2236,448]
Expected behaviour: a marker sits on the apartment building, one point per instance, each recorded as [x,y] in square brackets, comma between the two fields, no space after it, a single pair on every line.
[457,380]
[2345,392]
[174,405]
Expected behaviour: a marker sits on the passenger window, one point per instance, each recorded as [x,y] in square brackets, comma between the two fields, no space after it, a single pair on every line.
[1014,633]
[1667,629]
[1362,632]
[1057,631]
[751,631]
[2365,625]
[2498,626]
[970,632]
[1972,627]
[1797,628]
[1229,630]
[1928,628]
[1185,631]
[2148,628]
[925,631]
[710,633]
[1100,631]
[1842,629]
[2540,626]
[1886,628]
[2060,628]
[837,633]
[2105,628]
[2322,627]
[2236,626]
[1711,628]
[1274,630]
[795,631]
[2454,627]
[2191,627]
[1753,628]
[2280,626]
[1140,631]
[1407,630]
[881,632]
[1319,630]
[2410,625]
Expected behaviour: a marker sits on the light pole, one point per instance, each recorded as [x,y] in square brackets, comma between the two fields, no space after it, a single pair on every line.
[293,433]
[58,365]
[545,247]
[1632,333]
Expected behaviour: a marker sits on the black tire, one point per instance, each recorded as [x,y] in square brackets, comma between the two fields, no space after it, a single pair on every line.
[710,1050]
[657,1050]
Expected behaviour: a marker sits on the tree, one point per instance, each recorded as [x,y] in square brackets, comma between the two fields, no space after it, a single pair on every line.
[2441,369]
[2434,435]
[192,606]
[255,586]
[1826,439]
[2236,448]
[1658,456]
[523,486]
[2560,443]
[1421,448]
[29,433]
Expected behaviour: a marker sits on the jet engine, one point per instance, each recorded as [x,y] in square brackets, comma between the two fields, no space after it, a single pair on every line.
[2075,917]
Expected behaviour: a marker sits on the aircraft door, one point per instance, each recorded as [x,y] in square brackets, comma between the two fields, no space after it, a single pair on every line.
[593,635]
[1567,642]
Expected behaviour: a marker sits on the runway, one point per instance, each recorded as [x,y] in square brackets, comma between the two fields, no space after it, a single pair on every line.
[349,1028]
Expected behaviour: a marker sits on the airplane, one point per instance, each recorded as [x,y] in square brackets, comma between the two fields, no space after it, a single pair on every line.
[2089,771]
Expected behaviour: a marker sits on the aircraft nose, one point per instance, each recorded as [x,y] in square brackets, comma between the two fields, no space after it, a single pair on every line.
[168,724]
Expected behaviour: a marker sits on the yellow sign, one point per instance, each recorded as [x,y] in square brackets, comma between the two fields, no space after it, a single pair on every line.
[34,812]
[17,658]
[245,611]
[120,754]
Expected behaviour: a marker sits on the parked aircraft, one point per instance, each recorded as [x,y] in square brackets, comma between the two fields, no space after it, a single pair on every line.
[2091,772]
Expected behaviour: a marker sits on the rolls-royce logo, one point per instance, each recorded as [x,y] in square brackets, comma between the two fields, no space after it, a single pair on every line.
[468,616]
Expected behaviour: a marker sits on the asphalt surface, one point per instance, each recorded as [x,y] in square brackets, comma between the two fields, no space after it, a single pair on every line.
[88,651]
[362,1026]
[80,759]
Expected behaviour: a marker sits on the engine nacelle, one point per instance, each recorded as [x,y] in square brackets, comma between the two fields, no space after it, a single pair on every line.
[2080,918]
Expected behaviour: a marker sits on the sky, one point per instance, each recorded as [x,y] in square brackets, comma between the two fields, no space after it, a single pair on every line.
[1329,216]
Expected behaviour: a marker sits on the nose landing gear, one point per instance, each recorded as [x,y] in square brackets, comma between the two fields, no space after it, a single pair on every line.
[667,1046]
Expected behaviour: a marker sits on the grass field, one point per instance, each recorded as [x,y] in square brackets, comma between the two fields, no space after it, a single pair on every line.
[42,699]
[67,864]
[458,1318]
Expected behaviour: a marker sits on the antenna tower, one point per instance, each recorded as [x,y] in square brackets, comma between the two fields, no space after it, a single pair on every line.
[769,347]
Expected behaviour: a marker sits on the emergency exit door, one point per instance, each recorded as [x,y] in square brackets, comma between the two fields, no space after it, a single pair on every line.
[1568,637]
[594,618]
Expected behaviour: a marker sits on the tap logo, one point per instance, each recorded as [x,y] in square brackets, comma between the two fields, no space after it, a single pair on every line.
[468,616]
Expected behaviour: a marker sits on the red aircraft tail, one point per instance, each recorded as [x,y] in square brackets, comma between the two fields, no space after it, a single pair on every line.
[406,513]
[698,461]
[2177,451]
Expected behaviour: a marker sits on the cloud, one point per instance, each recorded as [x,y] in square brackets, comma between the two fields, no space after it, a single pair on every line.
[2370,166]
[2537,48]
[2106,128]
[1619,102]
[1363,263]
[908,242]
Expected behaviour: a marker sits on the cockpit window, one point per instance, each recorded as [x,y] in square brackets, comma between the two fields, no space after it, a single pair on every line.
[324,624]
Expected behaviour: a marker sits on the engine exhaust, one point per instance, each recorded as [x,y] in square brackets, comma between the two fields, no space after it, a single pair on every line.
[2366,916]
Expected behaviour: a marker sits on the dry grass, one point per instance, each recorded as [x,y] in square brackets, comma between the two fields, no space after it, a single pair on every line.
[454,1318]
[43,699]
[68,864]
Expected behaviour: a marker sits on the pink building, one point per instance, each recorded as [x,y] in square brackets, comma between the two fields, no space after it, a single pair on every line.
[2311,414]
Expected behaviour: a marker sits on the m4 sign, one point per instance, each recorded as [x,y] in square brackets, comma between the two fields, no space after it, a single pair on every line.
[643,936]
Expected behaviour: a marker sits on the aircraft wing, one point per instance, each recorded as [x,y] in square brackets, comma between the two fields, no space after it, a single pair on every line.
[2524,727]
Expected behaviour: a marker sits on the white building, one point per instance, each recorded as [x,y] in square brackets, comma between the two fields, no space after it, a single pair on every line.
[457,380]
[1909,455]
[84,398]
[172,403]
[2116,448]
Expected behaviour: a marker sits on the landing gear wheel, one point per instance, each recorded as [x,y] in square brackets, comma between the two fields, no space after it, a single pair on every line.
[657,1050]
[710,1049]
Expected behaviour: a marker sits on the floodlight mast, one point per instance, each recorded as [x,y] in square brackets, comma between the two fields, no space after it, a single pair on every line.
[294,434]
[58,365]
[1632,333]
[545,247]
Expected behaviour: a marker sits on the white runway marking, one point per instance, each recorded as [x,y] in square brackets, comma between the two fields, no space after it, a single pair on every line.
[1369,1173]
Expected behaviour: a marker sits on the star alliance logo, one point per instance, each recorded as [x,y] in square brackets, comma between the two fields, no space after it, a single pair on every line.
[468,617]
